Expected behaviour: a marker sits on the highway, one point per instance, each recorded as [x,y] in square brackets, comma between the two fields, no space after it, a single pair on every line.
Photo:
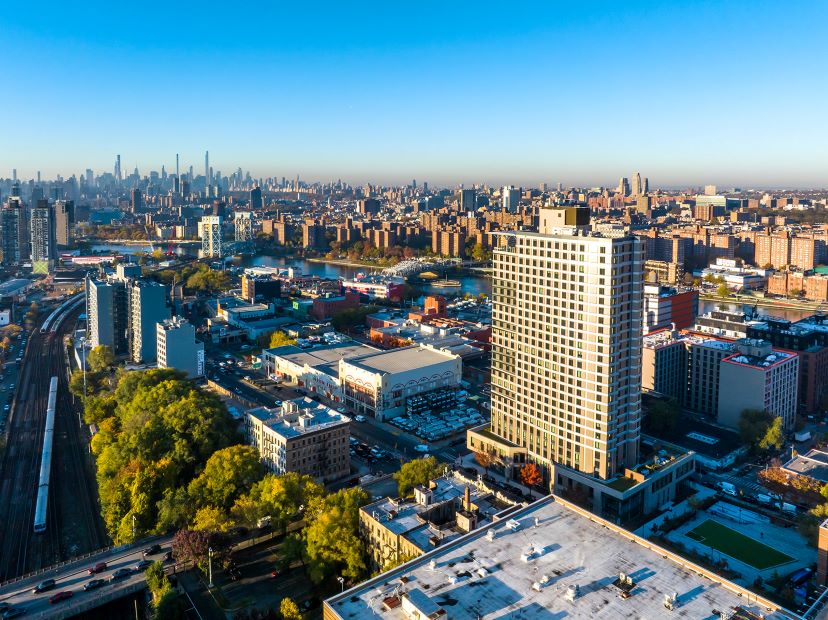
[73,522]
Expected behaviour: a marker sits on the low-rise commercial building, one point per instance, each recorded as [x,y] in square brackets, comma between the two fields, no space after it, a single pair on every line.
[378,384]
[302,436]
[549,560]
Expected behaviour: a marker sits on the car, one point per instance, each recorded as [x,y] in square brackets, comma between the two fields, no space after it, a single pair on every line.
[143,565]
[5,407]
[275,573]
[60,596]
[14,612]
[421,447]
[93,584]
[277,403]
[121,573]
[152,549]
[167,557]
[359,418]
[48,584]
[98,568]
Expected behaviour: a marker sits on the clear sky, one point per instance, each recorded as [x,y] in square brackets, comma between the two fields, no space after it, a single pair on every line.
[730,92]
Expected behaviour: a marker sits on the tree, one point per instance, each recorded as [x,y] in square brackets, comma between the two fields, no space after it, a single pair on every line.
[795,292]
[280,339]
[662,415]
[530,475]
[417,472]
[485,459]
[228,473]
[774,437]
[723,291]
[753,426]
[289,610]
[332,536]
[100,358]
[282,498]
[170,607]
[293,549]
[157,581]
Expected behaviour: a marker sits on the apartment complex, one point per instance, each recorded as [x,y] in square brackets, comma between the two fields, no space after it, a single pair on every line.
[666,307]
[758,377]
[107,314]
[178,347]
[147,307]
[301,436]
[566,352]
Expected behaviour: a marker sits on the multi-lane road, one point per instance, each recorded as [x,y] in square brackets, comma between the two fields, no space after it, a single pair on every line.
[73,577]
[73,520]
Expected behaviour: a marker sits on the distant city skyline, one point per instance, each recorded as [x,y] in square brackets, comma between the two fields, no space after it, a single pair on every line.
[690,94]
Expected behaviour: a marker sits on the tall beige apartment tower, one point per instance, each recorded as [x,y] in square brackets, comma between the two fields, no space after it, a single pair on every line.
[566,344]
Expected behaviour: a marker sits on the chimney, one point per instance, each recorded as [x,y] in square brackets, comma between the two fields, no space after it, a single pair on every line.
[467,499]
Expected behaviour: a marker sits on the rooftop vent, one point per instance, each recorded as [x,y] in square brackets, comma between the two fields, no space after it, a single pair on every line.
[490,535]
[670,601]
[572,592]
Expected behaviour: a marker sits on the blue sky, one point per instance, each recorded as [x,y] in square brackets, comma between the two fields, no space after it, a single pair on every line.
[446,92]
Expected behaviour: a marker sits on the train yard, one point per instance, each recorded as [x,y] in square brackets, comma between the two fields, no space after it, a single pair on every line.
[67,522]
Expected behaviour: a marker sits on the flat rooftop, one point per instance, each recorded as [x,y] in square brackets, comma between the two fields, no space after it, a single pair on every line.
[308,416]
[813,464]
[321,355]
[399,360]
[759,361]
[555,545]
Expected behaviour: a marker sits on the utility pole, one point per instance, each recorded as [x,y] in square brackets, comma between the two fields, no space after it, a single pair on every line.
[210,566]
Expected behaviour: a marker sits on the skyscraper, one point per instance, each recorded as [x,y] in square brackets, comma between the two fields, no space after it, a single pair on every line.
[256,198]
[147,303]
[566,344]
[468,200]
[137,201]
[510,198]
[207,167]
[118,168]
[43,239]
[177,171]
[11,224]
[108,314]
[636,184]
[624,187]
[64,222]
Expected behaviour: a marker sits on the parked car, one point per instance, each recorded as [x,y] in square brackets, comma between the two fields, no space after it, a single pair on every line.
[98,568]
[421,447]
[60,596]
[43,586]
[359,418]
[152,550]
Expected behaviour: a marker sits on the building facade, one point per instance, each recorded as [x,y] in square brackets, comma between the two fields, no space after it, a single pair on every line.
[178,348]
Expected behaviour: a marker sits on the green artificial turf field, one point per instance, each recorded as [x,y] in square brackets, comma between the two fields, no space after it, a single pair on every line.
[738,546]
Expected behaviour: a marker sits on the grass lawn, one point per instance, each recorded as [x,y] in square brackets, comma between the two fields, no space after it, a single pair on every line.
[738,546]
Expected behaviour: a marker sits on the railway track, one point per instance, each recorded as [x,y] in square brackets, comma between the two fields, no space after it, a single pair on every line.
[73,521]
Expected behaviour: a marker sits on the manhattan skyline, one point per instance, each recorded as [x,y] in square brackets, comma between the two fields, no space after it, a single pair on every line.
[692,93]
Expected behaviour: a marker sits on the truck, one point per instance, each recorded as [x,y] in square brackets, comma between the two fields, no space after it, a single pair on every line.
[802,436]
[728,488]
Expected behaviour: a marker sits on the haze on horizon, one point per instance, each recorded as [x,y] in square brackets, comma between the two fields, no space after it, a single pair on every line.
[688,94]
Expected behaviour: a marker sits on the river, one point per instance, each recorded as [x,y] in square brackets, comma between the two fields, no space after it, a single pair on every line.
[469,284]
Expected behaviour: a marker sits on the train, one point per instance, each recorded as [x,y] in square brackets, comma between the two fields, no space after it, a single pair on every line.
[46,461]
[53,321]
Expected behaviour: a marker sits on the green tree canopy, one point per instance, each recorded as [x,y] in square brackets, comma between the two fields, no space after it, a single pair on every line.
[723,290]
[289,610]
[416,472]
[100,358]
[279,497]
[157,437]
[332,536]
[228,474]
[774,437]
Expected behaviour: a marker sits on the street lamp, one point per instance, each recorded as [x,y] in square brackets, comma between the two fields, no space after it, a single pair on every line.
[210,566]
[341,581]
[133,528]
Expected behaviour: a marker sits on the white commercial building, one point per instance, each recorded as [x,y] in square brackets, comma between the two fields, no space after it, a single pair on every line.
[378,384]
